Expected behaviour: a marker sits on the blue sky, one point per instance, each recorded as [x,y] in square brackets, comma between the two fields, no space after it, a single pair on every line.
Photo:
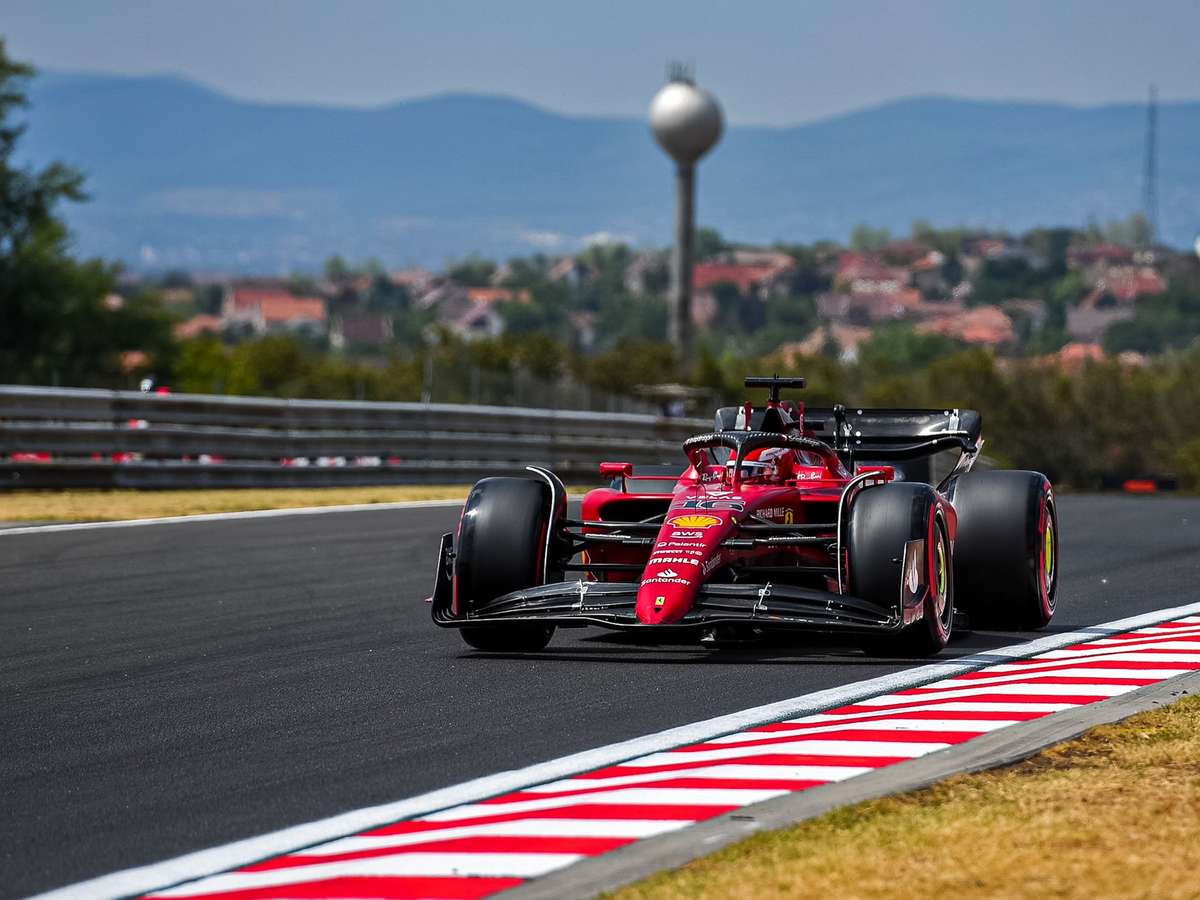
[770,61]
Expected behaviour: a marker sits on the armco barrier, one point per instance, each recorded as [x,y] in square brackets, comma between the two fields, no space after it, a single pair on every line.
[51,437]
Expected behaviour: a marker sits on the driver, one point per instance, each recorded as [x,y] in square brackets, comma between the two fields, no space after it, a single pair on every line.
[767,464]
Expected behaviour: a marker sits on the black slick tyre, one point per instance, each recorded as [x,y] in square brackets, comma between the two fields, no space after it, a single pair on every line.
[1006,555]
[502,547]
[882,522]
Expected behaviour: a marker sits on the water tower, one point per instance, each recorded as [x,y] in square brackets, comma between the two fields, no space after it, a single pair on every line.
[687,122]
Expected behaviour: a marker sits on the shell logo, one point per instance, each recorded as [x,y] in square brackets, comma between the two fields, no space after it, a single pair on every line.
[694,521]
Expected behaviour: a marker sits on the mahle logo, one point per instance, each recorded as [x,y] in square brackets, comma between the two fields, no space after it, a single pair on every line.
[694,521]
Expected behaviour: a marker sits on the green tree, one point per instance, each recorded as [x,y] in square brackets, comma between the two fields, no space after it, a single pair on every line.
[897,349]
[1133,231]
[202,366]
[55,323]
[707,243]
[864,237]
[474,271]
[337,269]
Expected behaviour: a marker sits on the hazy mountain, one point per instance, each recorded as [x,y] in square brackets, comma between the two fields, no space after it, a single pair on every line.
[182,175]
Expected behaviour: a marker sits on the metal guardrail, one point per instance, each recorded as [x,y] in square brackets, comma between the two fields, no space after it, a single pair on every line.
[52,437]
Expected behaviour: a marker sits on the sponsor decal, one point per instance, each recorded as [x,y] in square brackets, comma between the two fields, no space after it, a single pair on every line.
[778,513]
[710,565]
[662,580]
[668,573]
[659,601]
[808,475]
[732,504]
[675,544]
[694,521]
[688,534]
[667,560]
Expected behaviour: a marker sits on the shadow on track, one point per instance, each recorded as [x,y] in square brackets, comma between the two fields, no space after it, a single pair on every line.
[623,648]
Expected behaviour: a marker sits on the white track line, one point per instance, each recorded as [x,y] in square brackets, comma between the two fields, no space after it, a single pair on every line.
[240,853]
[228,516]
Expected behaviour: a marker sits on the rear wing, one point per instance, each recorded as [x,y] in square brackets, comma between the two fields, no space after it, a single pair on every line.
[907,439]
[879,433]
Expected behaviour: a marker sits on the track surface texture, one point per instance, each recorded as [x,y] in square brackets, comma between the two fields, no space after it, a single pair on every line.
[168,688]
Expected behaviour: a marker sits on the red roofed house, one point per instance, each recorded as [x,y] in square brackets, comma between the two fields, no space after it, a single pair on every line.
[865,308]
[1112,300]
[481,319]
[416,281]
[905,251]
[706,276]
[571,271]
[863,273]
[264,310]
[846,338]
[1127,283]
[754,282]
[198,325]
[496,295]
[987,326]
[1084,257]
[368,329]
[1074,356]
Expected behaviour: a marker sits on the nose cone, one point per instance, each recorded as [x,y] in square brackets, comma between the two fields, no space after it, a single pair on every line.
[665,597]
[672,577]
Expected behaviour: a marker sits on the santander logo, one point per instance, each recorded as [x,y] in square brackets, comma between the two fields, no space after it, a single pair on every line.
[668,573]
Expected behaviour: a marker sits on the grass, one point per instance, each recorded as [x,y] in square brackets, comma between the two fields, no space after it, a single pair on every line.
[103,506]
[1115,813]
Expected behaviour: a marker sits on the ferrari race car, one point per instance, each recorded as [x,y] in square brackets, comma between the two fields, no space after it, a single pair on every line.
[818,520]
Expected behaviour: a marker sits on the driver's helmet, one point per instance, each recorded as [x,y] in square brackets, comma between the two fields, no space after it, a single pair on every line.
[767,464]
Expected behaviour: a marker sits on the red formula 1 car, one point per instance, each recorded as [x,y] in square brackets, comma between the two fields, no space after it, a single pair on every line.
[819,520]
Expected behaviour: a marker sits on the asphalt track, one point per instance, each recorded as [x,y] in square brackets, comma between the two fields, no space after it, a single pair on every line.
[172,687]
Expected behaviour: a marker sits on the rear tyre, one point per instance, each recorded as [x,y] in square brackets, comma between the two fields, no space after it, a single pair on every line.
[883,520]
[501,547]
[1006,555]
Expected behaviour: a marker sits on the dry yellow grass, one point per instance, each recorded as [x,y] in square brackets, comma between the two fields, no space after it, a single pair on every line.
[1113,814]
[103,506]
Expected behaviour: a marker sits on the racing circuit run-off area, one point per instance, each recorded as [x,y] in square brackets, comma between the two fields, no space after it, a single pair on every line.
[476,849]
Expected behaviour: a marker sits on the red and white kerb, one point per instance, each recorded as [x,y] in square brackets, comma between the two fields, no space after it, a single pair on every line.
[481,848]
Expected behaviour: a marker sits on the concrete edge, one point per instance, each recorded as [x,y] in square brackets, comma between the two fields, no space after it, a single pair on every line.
[992,750]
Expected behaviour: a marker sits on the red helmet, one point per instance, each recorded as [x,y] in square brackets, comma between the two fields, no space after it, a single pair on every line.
[767,464]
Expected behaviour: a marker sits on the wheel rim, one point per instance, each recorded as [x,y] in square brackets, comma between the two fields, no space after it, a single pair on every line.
[941,583]
[1048,562]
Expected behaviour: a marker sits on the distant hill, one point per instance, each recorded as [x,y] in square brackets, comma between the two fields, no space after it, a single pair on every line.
[182,175]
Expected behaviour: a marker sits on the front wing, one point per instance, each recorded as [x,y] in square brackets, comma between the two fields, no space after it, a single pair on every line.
[612,605]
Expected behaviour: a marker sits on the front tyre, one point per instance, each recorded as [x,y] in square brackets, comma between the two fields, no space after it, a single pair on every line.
[503,547]
[883,522]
